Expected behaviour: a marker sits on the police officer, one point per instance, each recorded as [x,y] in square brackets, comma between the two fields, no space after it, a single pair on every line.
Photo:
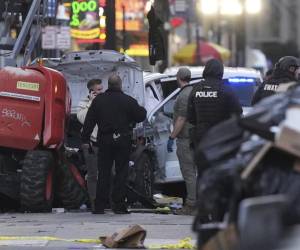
[115,114]
[211,101]
[181,133]
[284,75]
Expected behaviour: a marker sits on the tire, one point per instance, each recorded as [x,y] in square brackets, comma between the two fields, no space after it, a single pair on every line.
[144,176]
[36,189]
[71,191]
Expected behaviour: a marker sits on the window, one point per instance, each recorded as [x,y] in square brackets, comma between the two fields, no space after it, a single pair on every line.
[152,99]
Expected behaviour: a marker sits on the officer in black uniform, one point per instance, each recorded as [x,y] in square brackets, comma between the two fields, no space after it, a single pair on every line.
[211,101]
[115,114]
[285,75]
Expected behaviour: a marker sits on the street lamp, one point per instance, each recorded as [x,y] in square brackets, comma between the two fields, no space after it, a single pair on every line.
[233,8]
[210,7]
[230,7]
[253,6]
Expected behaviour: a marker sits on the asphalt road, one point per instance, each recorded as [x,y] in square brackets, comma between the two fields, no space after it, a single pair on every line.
[161,229]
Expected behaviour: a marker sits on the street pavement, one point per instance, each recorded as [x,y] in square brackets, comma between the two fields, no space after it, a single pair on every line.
[161,229]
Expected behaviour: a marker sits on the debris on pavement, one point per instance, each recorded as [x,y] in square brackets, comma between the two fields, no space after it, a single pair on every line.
[131,237]
[172,202]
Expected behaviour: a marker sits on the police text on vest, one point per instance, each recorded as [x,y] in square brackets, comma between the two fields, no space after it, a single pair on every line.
[207,94]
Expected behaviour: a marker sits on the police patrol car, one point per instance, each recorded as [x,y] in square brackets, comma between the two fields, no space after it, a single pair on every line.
[244,82]
[150,161]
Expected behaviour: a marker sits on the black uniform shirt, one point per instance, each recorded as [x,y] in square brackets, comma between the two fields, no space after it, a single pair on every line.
[113,112]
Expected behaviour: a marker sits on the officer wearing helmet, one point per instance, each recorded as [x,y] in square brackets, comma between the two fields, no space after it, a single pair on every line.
[285,75]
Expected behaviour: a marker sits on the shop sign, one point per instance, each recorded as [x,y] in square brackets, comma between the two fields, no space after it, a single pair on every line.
[88,20]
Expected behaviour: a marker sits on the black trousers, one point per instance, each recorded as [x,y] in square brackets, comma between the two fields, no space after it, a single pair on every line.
[118,152]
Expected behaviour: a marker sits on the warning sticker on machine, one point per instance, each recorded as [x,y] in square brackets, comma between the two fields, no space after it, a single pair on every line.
[28,86]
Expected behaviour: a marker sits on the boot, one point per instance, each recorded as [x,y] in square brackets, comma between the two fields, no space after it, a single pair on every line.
[187,210]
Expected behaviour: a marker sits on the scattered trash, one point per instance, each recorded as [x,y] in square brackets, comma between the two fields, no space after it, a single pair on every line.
[185,243]
[131,237]
[172,202]
[163,210]
[175,206]
[58,210]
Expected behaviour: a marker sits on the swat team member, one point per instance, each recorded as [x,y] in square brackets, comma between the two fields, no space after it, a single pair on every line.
[211,101]
[284,76]
[115,113]
[95,88]
[181,132]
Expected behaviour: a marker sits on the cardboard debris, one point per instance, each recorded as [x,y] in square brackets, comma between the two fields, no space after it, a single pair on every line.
[131,237]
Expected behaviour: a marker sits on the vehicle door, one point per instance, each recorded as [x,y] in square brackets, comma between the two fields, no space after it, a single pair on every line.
[153,95]
[161,119]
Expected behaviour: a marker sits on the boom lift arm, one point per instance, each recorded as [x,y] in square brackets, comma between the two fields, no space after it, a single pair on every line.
[29,27]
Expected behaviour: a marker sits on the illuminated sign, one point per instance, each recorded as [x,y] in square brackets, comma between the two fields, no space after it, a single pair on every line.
[88,20]
[135,11]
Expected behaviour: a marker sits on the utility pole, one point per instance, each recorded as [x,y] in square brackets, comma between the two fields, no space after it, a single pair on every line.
[110,25]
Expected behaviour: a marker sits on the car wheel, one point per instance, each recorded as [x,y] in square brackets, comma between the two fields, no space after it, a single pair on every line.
[144,176]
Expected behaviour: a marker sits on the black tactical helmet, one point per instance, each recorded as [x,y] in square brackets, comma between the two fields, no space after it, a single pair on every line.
[286,62]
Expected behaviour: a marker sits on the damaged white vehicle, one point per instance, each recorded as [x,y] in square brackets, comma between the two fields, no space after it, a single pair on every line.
[151,163]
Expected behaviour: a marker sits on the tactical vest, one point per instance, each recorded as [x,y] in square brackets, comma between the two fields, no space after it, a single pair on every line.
[210,106]
[274,87]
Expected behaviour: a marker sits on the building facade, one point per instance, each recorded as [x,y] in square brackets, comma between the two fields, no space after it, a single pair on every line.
[276,30]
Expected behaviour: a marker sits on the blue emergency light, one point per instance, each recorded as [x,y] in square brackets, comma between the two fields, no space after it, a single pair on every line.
[241,80]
